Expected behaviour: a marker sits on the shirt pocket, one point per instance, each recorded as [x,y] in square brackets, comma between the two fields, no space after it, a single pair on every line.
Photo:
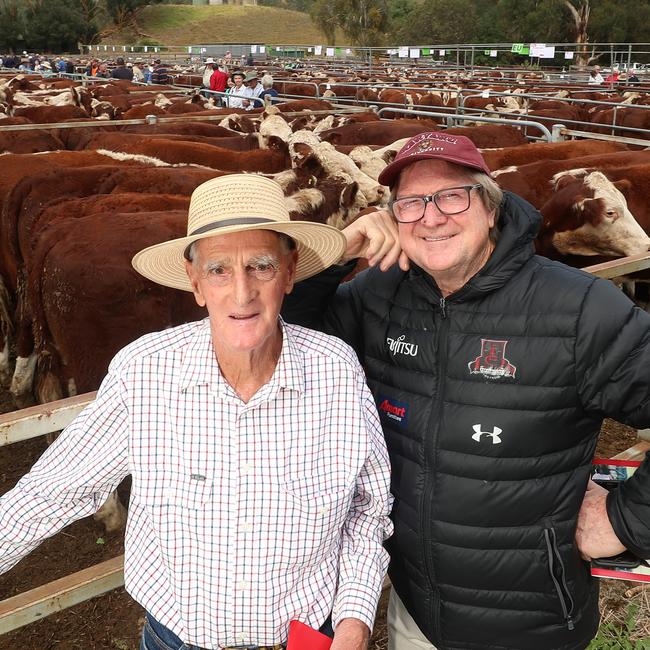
[312,524]
[156,489]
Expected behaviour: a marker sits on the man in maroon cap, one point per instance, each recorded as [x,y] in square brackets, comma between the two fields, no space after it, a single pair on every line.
[492,369]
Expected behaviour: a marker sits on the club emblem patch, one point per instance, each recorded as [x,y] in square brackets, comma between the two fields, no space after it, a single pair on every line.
[492,362]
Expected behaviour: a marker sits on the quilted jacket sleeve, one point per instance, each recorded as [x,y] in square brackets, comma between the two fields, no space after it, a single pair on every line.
[613,374]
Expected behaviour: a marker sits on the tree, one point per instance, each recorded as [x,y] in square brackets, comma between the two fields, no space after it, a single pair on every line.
[579,11]
[124,13]
[364,22]
[13,25]
[324,16]
[55,25]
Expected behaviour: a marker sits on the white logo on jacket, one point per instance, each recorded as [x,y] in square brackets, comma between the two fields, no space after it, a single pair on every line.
[400,346]
[494,434]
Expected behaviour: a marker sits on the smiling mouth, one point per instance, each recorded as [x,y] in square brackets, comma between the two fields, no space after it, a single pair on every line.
[434,239]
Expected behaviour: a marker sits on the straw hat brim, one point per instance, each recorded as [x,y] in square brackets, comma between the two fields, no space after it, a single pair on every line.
[319,246]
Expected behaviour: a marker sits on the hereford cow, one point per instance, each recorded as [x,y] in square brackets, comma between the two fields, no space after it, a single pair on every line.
[587,216]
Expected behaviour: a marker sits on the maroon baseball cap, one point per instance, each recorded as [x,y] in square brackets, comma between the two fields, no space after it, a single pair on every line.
[434,145]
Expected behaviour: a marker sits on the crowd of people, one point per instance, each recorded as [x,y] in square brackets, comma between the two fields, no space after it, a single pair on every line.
[236,89]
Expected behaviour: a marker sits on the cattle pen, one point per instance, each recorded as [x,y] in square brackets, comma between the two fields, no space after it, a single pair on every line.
[101,578]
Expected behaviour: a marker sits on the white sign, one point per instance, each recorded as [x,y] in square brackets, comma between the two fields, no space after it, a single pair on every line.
[442,52]
[145,48]
[113,48]
[253,49]
[568,55]
[318,50]
[414,53]
[493,53]
[403,52]
[329,51]
[310,49]
[547,52]
[189,50]
[535,49]
[262,49]
[155,49]
[348,50]
[123,48]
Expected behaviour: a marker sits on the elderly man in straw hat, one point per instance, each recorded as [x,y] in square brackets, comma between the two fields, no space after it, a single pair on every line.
[493,369]
[260,476]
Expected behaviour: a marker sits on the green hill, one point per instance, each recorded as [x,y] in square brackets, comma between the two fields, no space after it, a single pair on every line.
[187,24]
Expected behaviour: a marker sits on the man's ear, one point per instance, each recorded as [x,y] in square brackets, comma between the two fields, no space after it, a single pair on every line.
[293,264]
[194,281]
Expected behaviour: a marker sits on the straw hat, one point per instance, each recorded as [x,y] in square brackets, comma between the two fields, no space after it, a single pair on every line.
[237,203]
[250,76]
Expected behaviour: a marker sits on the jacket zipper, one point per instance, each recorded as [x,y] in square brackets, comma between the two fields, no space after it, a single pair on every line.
[562,589]
[431,445]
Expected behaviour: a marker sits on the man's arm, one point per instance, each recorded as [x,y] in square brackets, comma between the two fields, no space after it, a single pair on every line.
[613,362]
[373,237]
[362,559]
[71,480]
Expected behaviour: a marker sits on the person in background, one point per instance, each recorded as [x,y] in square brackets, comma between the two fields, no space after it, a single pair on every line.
[102,71]
[268,92]
[160,73]
[219,82]
[208,71]
[121,71]
[138,72]
[632,77]
[595,78]
[92,67]
[253,90]
[237,93]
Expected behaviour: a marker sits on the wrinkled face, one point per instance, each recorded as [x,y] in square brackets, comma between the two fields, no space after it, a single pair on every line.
[242,279]
[450,248]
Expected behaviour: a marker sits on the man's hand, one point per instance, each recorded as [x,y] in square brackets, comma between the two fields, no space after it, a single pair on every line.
[351,634]
[375,237]
[595,536]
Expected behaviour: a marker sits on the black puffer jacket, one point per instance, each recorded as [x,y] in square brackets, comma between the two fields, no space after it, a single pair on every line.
[491,402]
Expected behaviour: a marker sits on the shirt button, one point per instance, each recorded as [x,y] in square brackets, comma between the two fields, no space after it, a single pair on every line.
[246,527]
[324,510]
[243,638]
[243,584]
[246,468]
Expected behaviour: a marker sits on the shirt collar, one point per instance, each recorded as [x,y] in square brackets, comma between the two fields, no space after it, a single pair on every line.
[200,367]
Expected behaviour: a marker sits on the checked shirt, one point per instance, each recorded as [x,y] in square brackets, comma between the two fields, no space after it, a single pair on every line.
[242,516]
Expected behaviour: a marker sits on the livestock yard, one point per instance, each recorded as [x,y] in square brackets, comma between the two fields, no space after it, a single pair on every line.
[96,169]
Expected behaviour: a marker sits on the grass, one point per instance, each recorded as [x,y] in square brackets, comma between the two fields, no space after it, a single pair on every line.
[204,24]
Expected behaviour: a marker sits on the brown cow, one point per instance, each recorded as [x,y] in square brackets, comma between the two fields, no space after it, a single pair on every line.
[530,153]
[268,161]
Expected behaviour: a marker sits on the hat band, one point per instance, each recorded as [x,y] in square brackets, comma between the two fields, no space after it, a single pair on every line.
[239,221]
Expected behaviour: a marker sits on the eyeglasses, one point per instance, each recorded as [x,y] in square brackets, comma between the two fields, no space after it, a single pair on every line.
[450,201]
[221,276]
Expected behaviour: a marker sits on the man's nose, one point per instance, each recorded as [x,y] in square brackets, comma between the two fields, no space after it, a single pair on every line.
[244,289]
[432,215]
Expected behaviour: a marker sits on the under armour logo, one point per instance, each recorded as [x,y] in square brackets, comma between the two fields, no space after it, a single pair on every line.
[494,433]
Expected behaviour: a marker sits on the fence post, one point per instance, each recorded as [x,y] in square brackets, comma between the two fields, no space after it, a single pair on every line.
[556,136]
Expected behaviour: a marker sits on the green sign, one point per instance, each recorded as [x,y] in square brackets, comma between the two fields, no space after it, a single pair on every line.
[426,51]
[520,48]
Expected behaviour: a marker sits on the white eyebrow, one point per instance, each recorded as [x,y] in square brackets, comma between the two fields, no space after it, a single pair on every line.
[265,259]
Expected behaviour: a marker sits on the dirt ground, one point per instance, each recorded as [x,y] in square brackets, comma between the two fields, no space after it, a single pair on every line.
[114,621]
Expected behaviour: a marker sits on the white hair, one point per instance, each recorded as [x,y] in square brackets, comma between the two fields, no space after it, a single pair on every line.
[267,81]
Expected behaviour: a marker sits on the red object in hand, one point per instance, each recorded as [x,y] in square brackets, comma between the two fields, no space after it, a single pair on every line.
[303,637]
